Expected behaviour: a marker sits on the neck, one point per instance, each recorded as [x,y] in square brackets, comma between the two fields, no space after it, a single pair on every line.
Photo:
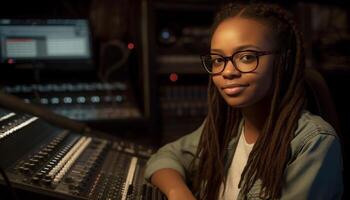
[254,118]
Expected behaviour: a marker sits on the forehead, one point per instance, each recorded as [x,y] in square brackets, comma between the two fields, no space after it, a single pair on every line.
[235,32]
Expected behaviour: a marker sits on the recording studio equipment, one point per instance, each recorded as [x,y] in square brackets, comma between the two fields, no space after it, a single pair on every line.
[183,108]
[57,43]
[181,54]
[50,62]
[181,33]
[15,104]
[184,101]
[43,161]
[81,101]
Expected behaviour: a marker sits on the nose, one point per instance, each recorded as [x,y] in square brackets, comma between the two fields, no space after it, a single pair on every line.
[230,70]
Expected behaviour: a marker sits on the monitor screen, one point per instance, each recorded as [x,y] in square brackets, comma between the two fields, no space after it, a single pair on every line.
[50,42]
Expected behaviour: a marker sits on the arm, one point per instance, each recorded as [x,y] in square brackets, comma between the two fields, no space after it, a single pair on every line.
[316,173]
[170,166]
[172,184]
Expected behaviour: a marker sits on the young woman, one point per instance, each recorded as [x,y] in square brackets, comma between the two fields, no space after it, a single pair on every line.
[258,140]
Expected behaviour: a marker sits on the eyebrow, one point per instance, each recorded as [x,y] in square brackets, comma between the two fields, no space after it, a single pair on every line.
[240,48]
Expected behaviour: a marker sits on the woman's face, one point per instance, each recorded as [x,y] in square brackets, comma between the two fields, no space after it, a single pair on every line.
[238,34]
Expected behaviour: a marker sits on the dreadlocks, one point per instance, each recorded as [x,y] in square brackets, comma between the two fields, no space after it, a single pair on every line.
[288,101]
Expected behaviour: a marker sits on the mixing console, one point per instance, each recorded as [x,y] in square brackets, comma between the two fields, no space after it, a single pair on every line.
[46,162]
[81,101]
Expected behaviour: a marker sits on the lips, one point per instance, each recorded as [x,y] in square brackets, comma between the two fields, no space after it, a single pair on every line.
[233,89]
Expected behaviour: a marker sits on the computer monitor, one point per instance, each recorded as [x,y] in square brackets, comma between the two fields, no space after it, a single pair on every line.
[49,43]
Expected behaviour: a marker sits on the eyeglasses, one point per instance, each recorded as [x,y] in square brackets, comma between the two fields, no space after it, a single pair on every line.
[244,61]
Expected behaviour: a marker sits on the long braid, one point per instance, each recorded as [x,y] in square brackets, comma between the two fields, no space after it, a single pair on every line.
[276,145]
[210,145]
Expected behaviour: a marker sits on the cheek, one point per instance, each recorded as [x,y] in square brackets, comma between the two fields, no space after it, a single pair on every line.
[216,81]
[262,85]
[263,80]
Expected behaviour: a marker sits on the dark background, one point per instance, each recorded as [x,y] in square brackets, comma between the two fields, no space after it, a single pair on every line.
[163,70]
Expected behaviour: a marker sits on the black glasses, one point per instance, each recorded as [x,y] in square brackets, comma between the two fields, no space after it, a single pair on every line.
[244,61]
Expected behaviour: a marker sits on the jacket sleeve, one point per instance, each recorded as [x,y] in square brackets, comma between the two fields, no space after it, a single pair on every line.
[177,155]
[316,173]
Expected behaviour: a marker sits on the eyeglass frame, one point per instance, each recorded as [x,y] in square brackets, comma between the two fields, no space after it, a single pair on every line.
[230,58]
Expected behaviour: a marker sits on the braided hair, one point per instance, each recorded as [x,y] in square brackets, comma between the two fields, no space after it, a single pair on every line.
[288,101]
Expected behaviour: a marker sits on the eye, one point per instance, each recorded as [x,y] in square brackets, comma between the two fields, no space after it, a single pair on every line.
[247,58]
[216,61]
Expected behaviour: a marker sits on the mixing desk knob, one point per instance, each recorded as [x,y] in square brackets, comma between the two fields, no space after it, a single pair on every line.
[35,179]
[29,165]
[47,182]
[74,186]
[38,157]
[39,174]
[24,170]
[43,153]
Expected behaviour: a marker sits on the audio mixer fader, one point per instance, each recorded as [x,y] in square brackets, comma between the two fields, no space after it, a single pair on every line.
[43,161]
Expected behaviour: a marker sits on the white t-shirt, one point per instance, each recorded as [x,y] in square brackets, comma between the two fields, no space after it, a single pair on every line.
[234,174]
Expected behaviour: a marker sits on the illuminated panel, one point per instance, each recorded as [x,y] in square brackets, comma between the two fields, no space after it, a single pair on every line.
[25,48]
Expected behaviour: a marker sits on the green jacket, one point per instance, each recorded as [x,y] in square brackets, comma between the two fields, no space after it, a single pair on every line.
[314,172]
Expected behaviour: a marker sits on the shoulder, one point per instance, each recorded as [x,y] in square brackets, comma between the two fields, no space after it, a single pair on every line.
[312,129]
[315,169]
[311,124]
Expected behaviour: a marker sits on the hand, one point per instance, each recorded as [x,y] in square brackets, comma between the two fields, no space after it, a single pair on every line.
[176,189]
[180,194]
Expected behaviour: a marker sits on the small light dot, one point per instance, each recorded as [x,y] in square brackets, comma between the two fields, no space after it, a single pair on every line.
[165,35]
[11,61]
[173,77]
[131,45]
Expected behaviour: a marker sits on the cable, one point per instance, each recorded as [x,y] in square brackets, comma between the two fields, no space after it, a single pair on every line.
[9,186]
[106,71]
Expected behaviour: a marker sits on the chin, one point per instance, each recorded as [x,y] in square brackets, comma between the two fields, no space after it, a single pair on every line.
[236,102]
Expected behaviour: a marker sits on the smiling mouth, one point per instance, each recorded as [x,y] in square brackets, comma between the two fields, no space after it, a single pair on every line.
[234,89]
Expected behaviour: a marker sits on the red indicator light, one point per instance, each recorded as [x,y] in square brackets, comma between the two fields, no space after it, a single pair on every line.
[10,61]
[131,45]
[173,77]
